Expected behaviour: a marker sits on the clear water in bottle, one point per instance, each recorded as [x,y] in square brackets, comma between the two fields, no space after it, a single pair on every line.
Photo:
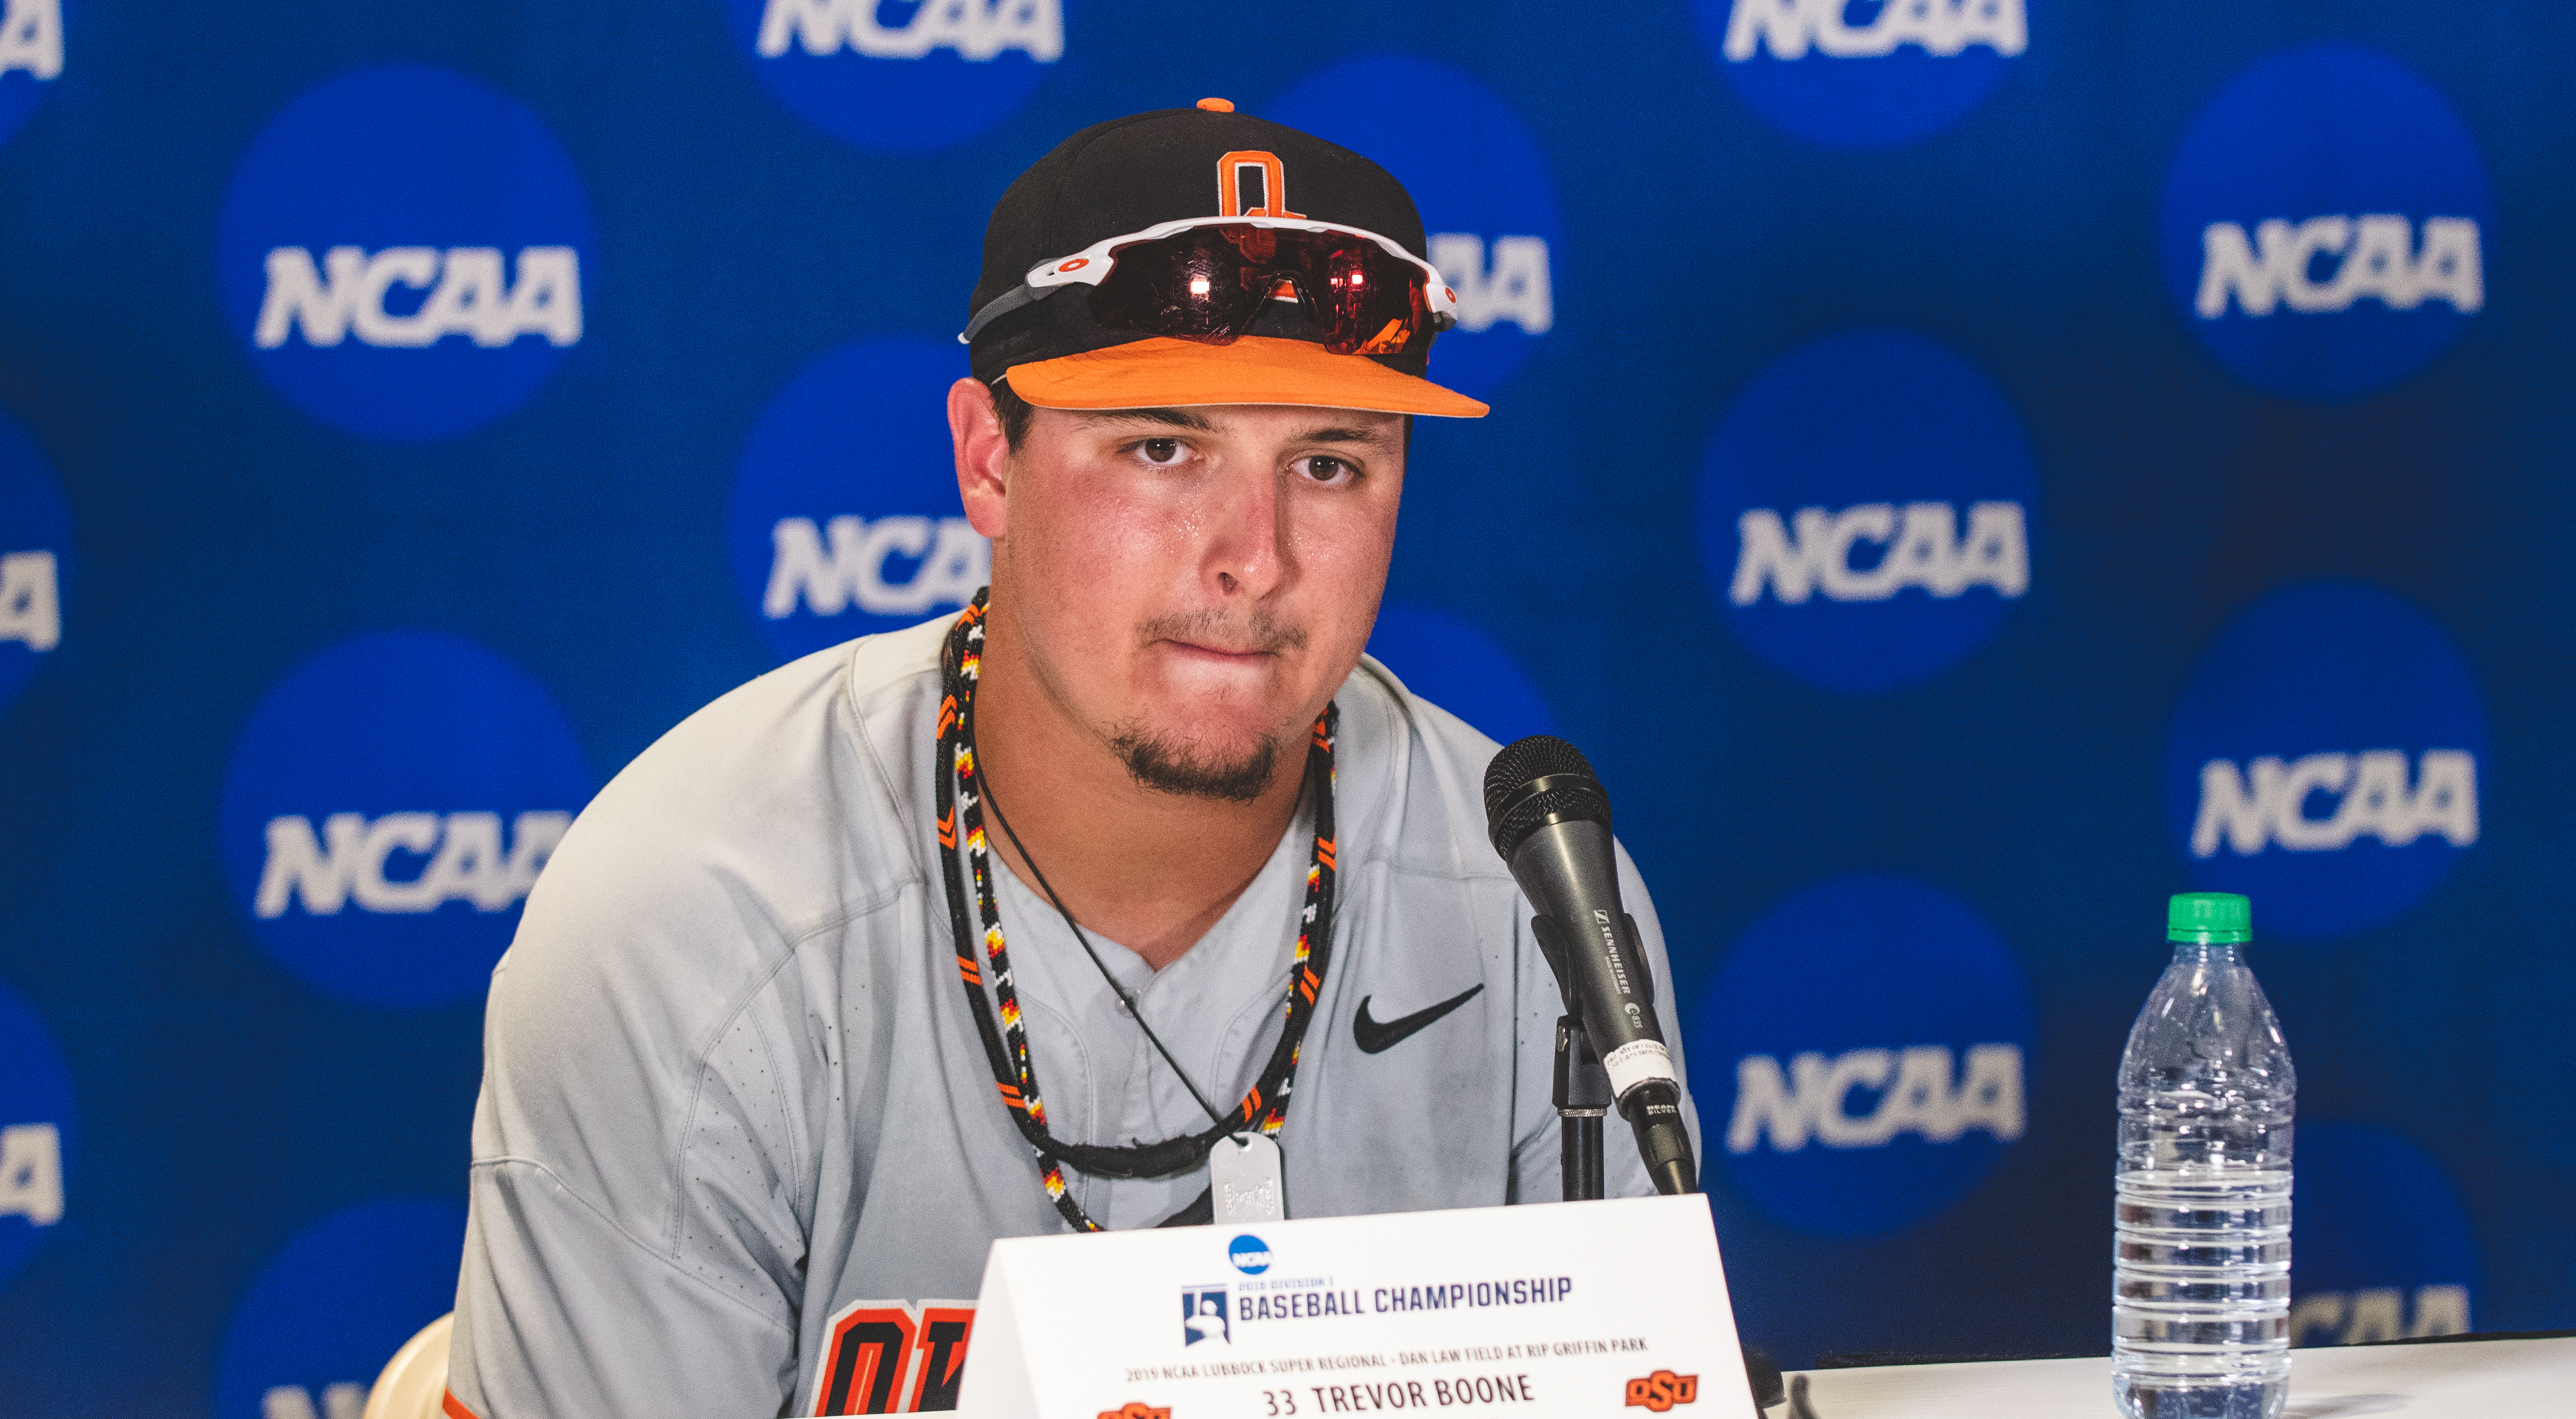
[2200,1308]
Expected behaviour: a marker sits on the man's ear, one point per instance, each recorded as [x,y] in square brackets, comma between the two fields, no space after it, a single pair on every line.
[983,456]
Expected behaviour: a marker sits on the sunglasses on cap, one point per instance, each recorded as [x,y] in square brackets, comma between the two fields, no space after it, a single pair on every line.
[1209,278]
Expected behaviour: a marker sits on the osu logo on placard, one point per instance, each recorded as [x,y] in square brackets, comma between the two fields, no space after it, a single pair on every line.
[1137,1409]
[1880,1033]
[1865,511]
[35,559]
[846,519]
[2325,223]
[1906,69]
[31,58]
[946,72]
[404,253]
[1662,1390]
[2325,760]
[1488,205]
[388,810]
[36,1132]
[893,1357]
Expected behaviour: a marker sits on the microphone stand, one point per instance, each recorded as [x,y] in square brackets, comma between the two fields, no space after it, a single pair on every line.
[1582,1099]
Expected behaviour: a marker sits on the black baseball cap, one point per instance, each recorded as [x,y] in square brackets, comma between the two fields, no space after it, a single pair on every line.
[1185,164]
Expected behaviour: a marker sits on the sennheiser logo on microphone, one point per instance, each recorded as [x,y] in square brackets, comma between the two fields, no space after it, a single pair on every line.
[1610,944]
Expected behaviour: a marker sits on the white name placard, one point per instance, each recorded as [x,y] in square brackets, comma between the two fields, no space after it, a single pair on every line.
[1575,1308]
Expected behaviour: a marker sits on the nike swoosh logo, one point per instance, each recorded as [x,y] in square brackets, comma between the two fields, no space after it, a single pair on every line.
[1376,1036]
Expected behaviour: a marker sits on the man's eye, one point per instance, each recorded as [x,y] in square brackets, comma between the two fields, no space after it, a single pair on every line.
[1327,470]
[1160,450]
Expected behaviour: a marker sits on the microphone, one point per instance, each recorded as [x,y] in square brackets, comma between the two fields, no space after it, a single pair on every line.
[1550,819]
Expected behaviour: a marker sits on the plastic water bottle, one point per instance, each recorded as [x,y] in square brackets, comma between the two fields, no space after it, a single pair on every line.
[2200,1290]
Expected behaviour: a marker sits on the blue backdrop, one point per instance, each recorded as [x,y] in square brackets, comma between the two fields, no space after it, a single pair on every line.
[1964,470]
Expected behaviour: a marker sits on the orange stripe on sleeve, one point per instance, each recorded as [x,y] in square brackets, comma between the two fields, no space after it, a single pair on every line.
[454,1408]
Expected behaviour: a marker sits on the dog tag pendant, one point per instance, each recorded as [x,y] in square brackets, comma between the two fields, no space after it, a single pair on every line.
[1244,1182]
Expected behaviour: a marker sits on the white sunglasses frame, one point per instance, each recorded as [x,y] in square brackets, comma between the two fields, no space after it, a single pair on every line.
[1092,265]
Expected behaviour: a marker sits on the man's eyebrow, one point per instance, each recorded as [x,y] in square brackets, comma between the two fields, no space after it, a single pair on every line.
[1173,418]
[1342,433]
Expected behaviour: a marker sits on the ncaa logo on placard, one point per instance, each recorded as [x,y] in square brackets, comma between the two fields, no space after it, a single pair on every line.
[1455,664]
[31,58]
[900,78]
[1488,203]
[388,809]
[1863,73]
[2326,760]
[1249,1253]
[1878,1037]
[36,1133]
[2384,1246]
[333,1304]
[846,519]
[35,560]
[405,252]
[1865,511]
[2327,223]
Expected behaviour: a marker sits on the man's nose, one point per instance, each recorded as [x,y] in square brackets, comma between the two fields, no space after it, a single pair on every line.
[1247,548]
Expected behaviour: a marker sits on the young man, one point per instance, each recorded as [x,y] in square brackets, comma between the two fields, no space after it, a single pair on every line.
[999,925]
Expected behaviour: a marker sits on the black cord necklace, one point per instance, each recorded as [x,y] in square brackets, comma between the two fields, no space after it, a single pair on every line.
[961,795]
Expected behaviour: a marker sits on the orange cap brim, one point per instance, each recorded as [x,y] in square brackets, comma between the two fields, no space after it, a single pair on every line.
[1257,369]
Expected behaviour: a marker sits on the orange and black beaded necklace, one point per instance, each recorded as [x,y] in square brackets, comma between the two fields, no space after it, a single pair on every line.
[961,798]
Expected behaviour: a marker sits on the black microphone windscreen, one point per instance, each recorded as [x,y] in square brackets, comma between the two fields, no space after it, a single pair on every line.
[1536,781]
[1538,756]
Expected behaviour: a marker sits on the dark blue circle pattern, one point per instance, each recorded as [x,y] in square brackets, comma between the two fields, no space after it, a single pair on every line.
[846,520]
[1866,509]
[405,253]
[387,810]
[335,1303]
[1860,1057]
[899,78]
[39,1127]
[2326,223]
[2326,760]
[36,561]
[1455,664]
[1487,198]
[2375,1212]
[1868,74]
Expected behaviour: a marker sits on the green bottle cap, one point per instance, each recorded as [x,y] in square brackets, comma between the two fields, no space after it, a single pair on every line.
[2209,918]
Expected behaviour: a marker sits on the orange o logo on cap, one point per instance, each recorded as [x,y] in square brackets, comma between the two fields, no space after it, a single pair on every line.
[1233,168]
[1075,264]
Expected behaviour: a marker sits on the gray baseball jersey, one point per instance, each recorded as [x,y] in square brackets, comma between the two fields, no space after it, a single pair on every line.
[739,1149]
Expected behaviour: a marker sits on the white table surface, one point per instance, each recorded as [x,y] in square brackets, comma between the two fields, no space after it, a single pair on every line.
[2480,1379]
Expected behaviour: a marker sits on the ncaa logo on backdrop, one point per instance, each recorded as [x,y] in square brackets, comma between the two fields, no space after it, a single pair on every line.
[31,58]
[1878,1036]
[333,1305]
[846,520]
[404,253]
[1863,73]
[36,1133]
[35,559]
[897,77]
[2326,223]
[2326,760]
[1865,511]
[1456,665]
[388,809]
[2383,1243]
[1488,202]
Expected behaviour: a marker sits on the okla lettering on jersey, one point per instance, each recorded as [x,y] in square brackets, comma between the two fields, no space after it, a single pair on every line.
[1920,1091]
[1789,29]
[2371,257]
[2266,803]
[31,38]
[346,862]
[1813,552]
[468,295]
[843,564]
[976,30]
